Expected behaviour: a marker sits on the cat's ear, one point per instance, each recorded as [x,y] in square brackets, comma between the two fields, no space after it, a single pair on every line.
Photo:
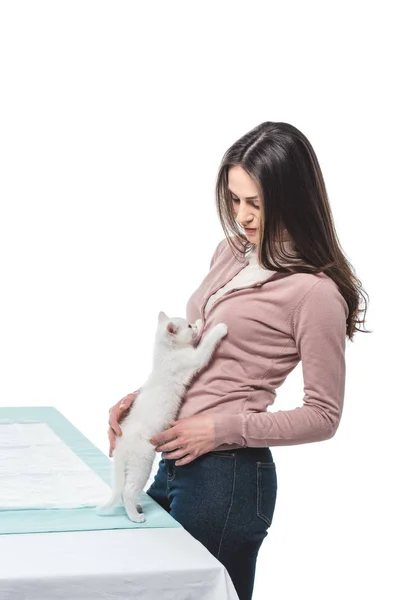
[162,316]
[171,328]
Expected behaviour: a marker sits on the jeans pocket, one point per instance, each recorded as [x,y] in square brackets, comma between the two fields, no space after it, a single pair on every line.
[266,491]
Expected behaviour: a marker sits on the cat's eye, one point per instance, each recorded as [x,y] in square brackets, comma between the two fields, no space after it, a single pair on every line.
[190,327]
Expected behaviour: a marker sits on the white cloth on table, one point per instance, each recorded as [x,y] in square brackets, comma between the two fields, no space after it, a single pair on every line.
[140,564]
[38,470]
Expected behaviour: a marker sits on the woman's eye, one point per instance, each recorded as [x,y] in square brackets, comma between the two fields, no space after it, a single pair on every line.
[252,203]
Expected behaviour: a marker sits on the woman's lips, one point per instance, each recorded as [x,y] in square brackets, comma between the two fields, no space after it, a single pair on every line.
[249,230]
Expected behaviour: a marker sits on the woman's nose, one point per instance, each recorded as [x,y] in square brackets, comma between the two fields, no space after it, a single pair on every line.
[243,216]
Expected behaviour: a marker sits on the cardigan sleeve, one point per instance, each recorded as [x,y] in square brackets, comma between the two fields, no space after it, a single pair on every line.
[319,330]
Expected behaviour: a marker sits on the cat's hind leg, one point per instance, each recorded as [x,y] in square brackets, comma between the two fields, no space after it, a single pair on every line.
[131,492]
[136,477]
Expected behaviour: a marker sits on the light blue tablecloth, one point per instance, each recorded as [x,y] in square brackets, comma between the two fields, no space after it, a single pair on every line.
[80,519]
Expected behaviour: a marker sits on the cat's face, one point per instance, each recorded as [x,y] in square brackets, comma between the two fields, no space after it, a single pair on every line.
[178,330]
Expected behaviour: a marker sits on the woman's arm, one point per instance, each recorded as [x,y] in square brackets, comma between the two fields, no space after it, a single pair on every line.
[319,330]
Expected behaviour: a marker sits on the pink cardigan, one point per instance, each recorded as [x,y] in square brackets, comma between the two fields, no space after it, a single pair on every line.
[272,325]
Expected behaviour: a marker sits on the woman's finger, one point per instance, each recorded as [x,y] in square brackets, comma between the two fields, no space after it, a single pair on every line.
[113,422]
[111,437]
[117,413]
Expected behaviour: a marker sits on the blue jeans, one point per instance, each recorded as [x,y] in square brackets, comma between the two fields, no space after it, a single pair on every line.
[226,500]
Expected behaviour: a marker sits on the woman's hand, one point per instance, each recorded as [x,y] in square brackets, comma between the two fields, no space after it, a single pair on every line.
[117,413]
[189,438]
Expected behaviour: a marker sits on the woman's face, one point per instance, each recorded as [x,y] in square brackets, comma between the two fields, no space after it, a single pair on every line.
[246,202]
[247,205]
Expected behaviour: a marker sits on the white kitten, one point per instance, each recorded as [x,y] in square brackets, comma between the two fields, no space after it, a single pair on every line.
[176,360]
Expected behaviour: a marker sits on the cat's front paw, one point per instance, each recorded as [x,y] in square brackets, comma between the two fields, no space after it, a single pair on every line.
[221,329]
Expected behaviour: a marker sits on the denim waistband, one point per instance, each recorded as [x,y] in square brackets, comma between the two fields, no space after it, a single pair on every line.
[247,454]
[263,453]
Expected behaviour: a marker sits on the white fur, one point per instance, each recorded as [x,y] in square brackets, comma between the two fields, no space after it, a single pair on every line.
[176,360]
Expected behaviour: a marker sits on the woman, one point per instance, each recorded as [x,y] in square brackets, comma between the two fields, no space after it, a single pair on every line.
[287,293]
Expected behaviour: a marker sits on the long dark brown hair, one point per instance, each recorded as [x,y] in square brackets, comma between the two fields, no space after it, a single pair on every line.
[283,165]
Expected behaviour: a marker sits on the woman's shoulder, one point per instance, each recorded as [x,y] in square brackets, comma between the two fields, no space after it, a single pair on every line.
[221,247]
[309,280]
[317,290]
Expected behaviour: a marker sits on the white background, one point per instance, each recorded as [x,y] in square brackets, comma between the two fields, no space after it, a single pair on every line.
[114,117]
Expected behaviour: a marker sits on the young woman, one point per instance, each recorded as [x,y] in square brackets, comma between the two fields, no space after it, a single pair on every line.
[281,283]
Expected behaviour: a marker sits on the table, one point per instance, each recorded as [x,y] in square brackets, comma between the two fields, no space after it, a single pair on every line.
[120,564]
[54,547]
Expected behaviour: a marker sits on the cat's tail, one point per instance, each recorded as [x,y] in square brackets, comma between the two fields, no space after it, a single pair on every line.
[118,485]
